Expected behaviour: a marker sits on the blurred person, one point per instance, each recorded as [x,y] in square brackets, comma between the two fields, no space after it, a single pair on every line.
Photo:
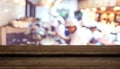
[58,32]
[58,27]
[55,16]
[97,38]
[76,36]
[107,30]
[54,21]
[118,34]
[94,34]
[34,26]
[36,32]
[35,21]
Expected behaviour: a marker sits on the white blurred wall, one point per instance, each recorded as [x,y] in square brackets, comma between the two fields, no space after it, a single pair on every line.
[11,10]
[42,13]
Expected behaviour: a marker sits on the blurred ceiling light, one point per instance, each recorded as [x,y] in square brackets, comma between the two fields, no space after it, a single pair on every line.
[116,8]
[103,8]
[48,3]
[87,9]
[104,15]
[94,9]
[17,1]
[111,15]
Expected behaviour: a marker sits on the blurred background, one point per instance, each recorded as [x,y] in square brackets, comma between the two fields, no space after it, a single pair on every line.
[32,22]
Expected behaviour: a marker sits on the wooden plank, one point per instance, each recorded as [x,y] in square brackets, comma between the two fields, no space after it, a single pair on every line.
[33,57]
[55,50]
[60,62]
[0,35]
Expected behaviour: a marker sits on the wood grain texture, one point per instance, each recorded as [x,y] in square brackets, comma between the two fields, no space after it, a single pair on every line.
[75,50]
[58,62]
[59,57]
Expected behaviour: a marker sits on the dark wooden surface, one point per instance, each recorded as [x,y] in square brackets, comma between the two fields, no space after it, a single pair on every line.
[59,57]
[53,62]
[42,50]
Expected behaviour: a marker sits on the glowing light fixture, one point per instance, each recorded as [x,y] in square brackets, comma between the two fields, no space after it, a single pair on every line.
[103,8]
[116,8]
[111,15]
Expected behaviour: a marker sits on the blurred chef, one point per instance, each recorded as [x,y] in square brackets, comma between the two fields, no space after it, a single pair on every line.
[118,34]
[54,19]
[76,35]
[58,27]
[60,31]
[97,37]
[94,35]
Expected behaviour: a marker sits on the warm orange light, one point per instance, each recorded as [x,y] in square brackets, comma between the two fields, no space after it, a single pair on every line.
[111,15]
